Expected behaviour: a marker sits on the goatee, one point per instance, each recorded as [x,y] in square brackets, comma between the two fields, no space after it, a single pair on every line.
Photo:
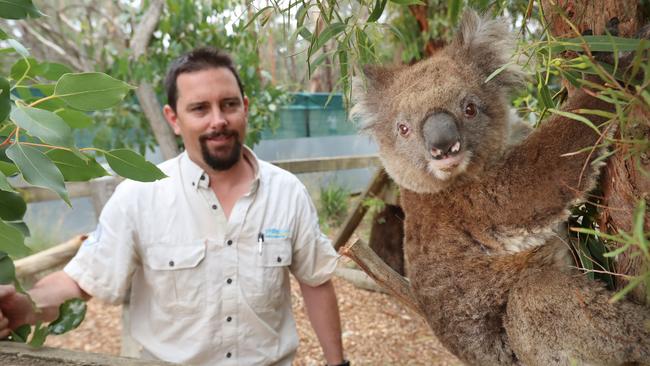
[218,162]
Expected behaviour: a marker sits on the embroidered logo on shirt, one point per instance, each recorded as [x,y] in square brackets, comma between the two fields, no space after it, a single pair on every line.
[273,233]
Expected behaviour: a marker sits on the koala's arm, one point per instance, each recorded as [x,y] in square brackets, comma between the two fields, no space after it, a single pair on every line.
[543,175]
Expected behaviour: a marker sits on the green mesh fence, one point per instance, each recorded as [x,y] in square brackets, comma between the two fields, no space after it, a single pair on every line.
[312,115]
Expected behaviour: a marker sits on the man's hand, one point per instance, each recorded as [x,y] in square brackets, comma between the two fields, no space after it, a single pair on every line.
[15,310]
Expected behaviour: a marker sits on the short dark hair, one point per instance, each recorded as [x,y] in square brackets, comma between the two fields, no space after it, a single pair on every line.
[198,59]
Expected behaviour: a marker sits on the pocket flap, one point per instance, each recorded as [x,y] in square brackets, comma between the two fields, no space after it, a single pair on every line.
[276,253]
[170,258]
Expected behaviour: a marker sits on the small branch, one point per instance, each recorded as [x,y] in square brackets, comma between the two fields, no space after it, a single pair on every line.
[385,276]
[8,139]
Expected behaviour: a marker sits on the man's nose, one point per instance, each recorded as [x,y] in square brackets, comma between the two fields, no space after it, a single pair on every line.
[218,118]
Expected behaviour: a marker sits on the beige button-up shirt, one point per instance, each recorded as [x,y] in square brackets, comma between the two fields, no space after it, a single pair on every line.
[207,290]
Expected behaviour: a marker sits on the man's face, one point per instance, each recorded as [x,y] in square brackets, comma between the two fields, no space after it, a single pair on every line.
[210,116]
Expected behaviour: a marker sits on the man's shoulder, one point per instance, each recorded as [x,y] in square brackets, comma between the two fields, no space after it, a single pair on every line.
[276,174]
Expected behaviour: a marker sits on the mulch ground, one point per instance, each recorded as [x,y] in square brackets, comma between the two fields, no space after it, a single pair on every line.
[377,330]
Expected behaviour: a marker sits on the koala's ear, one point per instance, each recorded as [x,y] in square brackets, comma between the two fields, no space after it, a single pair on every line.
[368,91]
[488,45]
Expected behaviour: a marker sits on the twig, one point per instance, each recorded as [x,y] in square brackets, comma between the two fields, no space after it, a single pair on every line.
[385,276]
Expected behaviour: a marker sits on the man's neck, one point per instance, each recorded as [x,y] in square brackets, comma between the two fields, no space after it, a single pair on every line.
[240,173]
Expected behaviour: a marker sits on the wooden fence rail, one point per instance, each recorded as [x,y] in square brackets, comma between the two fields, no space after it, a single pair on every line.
[296,166]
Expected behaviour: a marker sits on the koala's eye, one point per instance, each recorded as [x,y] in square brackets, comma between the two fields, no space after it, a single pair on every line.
[403,129]
[470,110]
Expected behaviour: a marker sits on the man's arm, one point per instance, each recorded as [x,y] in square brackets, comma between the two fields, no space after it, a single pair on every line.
[323,312]
[51,291]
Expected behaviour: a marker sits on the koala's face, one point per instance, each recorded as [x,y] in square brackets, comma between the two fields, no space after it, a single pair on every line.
[438,119]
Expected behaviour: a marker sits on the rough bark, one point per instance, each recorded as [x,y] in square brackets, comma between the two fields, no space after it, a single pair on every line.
[622,182]
[145,93]
[420,12]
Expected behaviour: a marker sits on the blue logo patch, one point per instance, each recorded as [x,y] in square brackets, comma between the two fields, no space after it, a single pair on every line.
[276,234]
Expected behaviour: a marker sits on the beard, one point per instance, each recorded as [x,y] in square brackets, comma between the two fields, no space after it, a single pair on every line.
[225,157]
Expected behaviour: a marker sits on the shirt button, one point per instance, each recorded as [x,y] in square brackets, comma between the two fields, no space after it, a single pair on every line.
[228,354]
[279,259]
[202,177]
[171,263]
[214,207]
[229,242]
[193,184]
[228,319]
[229,281]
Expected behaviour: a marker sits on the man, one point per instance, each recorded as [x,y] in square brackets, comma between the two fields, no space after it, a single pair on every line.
[206,251]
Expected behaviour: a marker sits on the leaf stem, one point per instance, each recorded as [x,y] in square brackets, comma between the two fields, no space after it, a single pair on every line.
[7,141]
[37,102]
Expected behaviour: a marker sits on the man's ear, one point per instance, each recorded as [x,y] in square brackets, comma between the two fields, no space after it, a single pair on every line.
[171,118]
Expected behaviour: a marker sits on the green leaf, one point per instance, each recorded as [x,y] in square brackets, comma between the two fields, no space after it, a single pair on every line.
[21,333]
[130,164]
[7,269]
[51,70]
[75,169]
[18,9]
[40,334]
[8,169]
[3,35]
[75,119]
[91,91]
[377,10]
[45,125]
[4,184]
[576,117]
[71,314]
[328,33]
[12,241]
[453,10]
[37,169]
[22,67]
[12,206]
[5,98]
[600,43]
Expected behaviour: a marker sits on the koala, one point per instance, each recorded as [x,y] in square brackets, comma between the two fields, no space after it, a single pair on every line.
[493,280]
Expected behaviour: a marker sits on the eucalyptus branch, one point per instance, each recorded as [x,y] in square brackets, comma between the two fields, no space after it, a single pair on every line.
[7,141]
[44,99]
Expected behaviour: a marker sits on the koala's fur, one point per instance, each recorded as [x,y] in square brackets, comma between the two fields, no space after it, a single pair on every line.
[493,281]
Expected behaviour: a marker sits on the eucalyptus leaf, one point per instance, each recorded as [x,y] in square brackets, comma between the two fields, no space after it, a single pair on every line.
[71,314]
[91,91]
[12,206]
[37,169]
[51,70]
[408,2]
[40,334]
[5,98]
[75,169]
[328,33]
[600,44]
[21,333]
[75,119]
[129,164]
[3,35]
[12,241]
[8,169]
[18,9]
[7,269]
[377,10]
[22,67]
[4,184]
[45,125]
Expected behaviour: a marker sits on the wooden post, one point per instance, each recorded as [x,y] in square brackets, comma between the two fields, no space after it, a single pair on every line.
[352,221]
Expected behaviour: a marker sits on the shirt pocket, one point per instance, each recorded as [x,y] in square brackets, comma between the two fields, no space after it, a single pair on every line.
[176,276]
[273,266]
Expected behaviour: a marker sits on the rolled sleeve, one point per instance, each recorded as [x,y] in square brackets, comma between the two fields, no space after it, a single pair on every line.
[314,256]
[106,260]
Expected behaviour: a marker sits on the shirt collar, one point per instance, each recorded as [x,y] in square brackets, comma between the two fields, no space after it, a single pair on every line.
[197,178]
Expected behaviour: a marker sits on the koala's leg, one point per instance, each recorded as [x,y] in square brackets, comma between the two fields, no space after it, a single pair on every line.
[559,318]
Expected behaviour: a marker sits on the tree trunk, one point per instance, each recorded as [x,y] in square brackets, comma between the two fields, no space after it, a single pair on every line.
[145,93]
[622,182]
[421,14]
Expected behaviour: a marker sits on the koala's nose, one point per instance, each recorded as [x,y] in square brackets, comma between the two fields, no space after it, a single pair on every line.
[441,135]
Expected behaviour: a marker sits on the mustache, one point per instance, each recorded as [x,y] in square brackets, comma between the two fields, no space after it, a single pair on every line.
[216,134]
